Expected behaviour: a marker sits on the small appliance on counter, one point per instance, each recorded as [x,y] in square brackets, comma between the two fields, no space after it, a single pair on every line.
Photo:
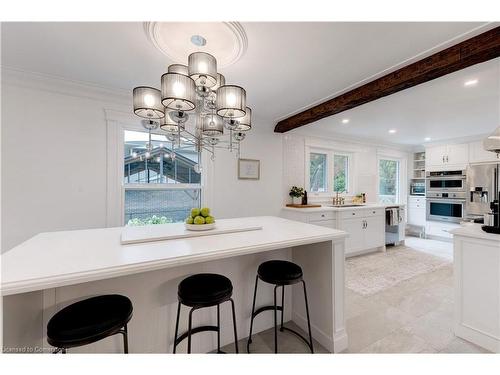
[417,188]
[492,219]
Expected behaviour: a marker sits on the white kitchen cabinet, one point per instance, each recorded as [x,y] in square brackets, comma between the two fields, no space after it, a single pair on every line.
[375,231]
[416,211]
[365,225]
[477,153]
[447,156]
[356,240]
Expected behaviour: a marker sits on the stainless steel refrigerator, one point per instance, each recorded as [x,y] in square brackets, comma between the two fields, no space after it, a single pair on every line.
[482,186]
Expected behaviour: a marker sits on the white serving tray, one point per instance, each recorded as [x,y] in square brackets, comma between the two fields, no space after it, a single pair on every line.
[162,232]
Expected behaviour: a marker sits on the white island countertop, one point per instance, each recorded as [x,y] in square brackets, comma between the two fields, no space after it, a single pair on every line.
[55,259]
[328,207]
[472,230]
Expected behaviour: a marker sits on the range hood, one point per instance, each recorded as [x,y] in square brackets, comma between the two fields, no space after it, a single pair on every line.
[492,142]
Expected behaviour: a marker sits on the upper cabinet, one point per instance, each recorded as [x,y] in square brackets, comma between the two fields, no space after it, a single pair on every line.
[447,156]
[477,153]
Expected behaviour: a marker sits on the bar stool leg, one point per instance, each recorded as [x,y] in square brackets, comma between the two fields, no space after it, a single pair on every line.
[253,311]
[234,327]
[282,306]
[190,327]
[125,339]
[308,319]
[177,325]
[218,329]
[275,321]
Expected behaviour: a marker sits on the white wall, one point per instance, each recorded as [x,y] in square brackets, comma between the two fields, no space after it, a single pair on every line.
[54,160]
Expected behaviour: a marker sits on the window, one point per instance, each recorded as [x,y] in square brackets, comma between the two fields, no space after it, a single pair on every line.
[328,171]
[340,173]
[389,180]
[318,173]
[162,188]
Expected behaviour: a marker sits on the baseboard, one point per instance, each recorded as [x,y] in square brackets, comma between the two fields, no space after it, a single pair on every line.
[478,337]
[334,345]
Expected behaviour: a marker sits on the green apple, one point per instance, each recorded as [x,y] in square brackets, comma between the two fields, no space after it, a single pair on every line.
[199,220]
[189,220]
[195,212]
[205,211]
[209,220]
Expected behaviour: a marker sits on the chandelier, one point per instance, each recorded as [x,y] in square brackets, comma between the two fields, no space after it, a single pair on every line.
[221,117]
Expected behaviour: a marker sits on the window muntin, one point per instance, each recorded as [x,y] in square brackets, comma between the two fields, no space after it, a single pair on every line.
[318,171]
[389,181]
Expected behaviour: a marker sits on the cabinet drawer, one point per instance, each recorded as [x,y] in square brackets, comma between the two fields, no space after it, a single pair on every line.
[352,214]
[375,212]
[416,200]
[316,216]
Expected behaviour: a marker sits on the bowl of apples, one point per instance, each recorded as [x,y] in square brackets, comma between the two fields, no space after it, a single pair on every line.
[200,219]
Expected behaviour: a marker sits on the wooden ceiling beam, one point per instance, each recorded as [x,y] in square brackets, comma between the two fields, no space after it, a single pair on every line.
[483,47]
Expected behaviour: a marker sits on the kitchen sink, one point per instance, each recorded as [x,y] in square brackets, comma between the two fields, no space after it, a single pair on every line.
[346,205]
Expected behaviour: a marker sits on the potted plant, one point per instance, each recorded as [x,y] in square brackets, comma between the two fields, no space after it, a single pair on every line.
[296,193]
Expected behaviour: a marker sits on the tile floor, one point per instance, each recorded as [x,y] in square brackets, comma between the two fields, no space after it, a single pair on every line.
[414,316]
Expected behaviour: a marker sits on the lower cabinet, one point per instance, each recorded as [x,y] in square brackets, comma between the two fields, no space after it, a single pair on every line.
[364,233]
[366,227]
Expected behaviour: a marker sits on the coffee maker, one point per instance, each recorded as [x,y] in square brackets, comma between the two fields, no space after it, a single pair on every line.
[492,143]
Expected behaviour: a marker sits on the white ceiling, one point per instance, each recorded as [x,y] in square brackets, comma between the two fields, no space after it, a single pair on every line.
[287,66]
[440,109]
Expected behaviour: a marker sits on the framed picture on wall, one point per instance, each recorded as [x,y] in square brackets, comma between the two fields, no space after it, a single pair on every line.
[248,169]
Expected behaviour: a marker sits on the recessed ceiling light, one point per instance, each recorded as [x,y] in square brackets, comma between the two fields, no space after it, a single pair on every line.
[427,139]
[345,121]
[471,82]
[392,131]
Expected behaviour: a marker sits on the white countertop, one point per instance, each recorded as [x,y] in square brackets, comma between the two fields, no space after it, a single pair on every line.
[474,231]
[366,206]
[55,259]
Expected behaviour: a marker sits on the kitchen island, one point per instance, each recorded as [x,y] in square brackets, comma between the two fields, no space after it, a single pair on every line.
[476,268]
[52,270]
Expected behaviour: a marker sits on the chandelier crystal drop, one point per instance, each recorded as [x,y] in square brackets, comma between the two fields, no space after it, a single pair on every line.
[194,105]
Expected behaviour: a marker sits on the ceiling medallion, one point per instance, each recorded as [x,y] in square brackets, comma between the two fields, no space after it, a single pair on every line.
[226,40]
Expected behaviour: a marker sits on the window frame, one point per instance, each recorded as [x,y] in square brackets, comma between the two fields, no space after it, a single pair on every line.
[330,154]
[401,186]
[117,123]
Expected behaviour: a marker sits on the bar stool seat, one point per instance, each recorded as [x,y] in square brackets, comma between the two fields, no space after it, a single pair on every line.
[279,272]
[199,291]
[89,320]
[204,289]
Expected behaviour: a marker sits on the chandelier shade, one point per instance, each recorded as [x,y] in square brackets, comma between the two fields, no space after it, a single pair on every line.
[202,69]
[178,92]
[178,68]
[147,102]
[245,122]
[169,125]
[231,101]
[221,81]
[212,126]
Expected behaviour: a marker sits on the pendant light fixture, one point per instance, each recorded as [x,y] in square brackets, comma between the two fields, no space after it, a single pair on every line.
[147,103]
[198,91]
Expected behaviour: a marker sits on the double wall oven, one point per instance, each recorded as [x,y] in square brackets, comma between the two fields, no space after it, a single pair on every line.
[446,195]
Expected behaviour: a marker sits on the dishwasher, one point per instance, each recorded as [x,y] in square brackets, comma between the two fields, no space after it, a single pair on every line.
[394,225]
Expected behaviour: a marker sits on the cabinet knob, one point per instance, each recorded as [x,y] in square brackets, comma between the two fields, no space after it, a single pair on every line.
[354,213]
[373,211]
[323,215]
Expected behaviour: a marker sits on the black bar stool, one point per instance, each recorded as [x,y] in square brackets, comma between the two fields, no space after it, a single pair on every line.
[279,273]
[204,290]
[90,320]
